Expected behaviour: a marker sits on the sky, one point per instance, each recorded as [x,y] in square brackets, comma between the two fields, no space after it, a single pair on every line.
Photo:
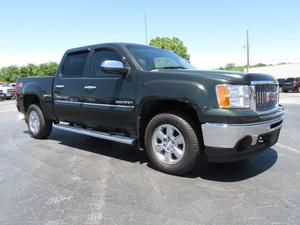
[214,32]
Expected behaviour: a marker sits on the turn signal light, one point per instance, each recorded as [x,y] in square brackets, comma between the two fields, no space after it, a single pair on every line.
[223,94]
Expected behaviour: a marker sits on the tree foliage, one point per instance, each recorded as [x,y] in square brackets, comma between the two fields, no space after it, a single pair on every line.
[233,67]
[172,44]
[12,73]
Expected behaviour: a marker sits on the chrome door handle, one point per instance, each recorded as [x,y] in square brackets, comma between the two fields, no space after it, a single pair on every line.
[89,87]
[60,86]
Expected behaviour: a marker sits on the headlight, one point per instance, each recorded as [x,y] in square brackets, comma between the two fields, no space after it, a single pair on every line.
[233,96]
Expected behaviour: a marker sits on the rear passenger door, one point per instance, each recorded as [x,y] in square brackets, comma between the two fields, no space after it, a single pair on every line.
[68,87]
[110,104]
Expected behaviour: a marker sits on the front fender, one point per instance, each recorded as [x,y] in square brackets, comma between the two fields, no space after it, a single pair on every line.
[193,93]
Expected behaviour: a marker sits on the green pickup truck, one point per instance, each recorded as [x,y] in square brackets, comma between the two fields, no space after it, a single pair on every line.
[155,100]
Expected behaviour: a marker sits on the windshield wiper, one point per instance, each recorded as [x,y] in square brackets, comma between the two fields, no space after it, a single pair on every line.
[171,67]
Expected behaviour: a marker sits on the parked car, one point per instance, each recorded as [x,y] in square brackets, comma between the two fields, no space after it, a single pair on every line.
[281,82]
[13,85]
[291,84]
[1,95]
[150,97]
[7,90]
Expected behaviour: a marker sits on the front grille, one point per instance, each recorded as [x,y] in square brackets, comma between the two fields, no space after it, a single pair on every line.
[266,96]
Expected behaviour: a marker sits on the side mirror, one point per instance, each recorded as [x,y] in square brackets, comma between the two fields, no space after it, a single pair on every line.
[114,66]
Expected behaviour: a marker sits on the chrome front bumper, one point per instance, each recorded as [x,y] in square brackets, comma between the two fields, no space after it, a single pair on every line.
[219,135]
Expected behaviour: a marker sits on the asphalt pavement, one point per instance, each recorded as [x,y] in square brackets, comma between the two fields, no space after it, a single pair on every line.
[74,179]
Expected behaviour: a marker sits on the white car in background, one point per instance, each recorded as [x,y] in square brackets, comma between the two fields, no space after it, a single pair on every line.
[8,91]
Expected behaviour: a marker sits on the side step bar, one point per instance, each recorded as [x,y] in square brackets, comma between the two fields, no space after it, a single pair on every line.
[97,134]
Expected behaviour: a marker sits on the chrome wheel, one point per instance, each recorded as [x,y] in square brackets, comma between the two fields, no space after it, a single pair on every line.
[168,144]
[34,122]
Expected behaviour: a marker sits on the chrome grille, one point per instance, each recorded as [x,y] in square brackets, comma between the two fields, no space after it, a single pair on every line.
[266,96]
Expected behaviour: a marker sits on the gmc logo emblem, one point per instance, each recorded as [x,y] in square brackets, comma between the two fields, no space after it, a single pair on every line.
[272,96]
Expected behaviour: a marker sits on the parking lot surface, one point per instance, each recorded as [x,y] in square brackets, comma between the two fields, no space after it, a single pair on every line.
[73,179]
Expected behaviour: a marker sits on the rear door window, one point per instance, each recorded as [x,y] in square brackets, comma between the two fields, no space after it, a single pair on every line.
[74,64]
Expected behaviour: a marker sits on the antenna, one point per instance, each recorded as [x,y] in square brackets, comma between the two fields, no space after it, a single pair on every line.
[247,39]
[146,29]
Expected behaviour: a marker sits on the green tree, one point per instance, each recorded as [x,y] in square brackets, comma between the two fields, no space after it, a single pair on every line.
[172,44]
[258,65]
[12,73]
[47,69]
[232,67]
[28,70]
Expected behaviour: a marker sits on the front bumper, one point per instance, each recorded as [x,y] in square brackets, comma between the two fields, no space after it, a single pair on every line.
[231,142]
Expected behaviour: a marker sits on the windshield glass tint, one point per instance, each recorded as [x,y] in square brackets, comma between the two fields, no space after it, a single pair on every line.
[151,58]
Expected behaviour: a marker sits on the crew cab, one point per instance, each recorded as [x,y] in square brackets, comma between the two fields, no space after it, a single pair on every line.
[155,100]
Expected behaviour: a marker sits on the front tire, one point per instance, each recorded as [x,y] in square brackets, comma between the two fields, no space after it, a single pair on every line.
[172,143]
[38,126]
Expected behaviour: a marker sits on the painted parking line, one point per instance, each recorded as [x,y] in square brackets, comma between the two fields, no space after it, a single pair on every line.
[289,148]
[8,110]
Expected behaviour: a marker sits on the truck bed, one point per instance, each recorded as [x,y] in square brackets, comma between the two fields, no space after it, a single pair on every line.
[43,85]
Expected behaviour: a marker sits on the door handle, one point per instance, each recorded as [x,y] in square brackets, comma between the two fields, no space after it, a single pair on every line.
[60,86]
[89,87]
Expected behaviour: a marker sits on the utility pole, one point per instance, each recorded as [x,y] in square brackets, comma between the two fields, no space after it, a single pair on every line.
[247,38]
[146,29]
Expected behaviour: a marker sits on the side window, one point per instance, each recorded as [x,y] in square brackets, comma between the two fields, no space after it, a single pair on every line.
[74,64]
[100,56]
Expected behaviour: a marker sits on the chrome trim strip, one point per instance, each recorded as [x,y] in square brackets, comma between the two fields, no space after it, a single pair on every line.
[108,105]
[264,82]
[248,124]
[93,104]
[220,135]
[67,102]
[96,134]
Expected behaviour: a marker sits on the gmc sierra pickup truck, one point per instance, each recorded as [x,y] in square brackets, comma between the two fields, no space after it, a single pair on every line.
[149,97]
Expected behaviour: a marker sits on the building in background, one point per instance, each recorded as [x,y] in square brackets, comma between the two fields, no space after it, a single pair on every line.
[279,71]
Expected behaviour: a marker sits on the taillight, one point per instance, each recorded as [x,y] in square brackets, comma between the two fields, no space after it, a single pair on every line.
[295,83]
[18,88]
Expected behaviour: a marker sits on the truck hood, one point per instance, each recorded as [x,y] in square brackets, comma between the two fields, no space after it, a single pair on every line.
[223,75]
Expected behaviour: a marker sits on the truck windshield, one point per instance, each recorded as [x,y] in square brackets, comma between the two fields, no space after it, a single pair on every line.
[150,58]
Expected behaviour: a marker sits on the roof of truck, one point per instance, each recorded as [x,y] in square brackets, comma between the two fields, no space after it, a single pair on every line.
[109,44]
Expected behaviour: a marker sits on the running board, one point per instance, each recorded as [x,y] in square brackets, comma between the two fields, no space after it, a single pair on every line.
[96,134]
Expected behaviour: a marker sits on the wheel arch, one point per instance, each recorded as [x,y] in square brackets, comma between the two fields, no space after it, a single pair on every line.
[153,107]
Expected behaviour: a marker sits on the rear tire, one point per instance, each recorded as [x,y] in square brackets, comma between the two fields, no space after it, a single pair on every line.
[38,126]
[172,143]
